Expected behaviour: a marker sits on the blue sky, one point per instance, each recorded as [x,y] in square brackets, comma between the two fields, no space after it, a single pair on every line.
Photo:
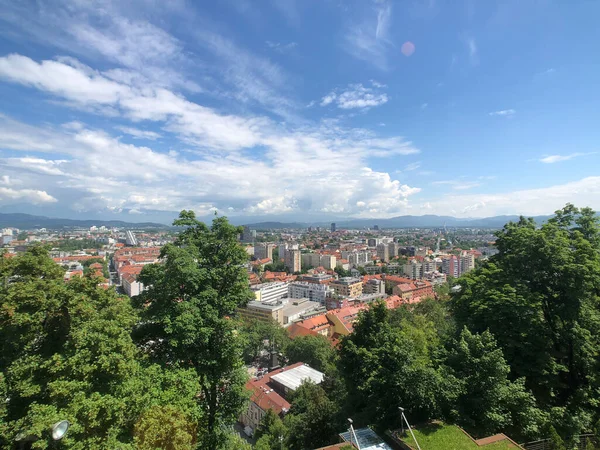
[298,109]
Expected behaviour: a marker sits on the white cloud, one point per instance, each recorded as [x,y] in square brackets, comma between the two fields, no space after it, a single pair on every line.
[28,195]
[355,96]
[531,202]
[139,134]
[424,106]
[377,84]
[472,48]
[281,47]
[413,166]
[458,185]
[503,112]
[557,158]
[368,40]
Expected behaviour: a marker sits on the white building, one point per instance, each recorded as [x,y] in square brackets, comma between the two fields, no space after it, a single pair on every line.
[312,291]
[266,292]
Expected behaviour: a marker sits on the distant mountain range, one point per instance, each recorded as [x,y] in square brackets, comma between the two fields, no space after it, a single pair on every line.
[427,221]
[28,221]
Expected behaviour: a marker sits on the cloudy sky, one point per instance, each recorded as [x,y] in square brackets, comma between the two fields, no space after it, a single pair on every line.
[298,109]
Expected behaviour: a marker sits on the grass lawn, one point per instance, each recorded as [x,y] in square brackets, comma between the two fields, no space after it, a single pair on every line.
[448,437]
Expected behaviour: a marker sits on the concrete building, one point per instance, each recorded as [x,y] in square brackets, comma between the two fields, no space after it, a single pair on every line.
[413,270]
[130,239]
[450,266]
[282,250]
[333,228]
[466,262]
[374,286]
[347,287]
[293,261]
[394,249]
[131,286]
[264,311]
[313,291]
[247,235]
[429,265]
[317,278]
[372,242]
[328,261]
[383,252]
[263,250]
[266,292]
[311,260]
[298,309]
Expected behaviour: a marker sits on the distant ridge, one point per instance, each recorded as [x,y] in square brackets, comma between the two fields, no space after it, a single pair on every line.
[427,221]
[28,221]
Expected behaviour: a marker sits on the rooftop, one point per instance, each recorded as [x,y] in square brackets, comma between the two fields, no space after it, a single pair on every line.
[367,439]
[293,378]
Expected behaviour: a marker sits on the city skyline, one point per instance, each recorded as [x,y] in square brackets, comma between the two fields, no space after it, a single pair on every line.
[297,111]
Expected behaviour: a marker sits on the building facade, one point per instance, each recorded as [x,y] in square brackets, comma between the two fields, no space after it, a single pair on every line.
[293,261]
[383,252]
[347,287]
[314,292]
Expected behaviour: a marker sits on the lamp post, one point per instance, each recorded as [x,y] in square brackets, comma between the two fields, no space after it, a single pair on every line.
[57,431]
[352,433]
[403,416]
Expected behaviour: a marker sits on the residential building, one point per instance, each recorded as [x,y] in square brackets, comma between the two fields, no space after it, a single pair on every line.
[347,287]
[311,260]
[383,252]
[450,266]
[372,242]
[282,250]
[317,278]
[466,262]
[131,286]
[269,392]
[414,291]
[313,291]
[413,270]
[429,265]
[292,260]
[264,250]
[374,286]
[394,249]
[266,292]
[328,261]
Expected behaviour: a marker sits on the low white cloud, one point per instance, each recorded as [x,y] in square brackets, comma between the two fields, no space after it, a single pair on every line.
[558,158]
[458,185]
[412,166]
[529,202]
[26,195]
[503,113]
[355,96]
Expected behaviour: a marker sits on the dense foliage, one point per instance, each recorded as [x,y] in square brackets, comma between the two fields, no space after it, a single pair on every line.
[516,349]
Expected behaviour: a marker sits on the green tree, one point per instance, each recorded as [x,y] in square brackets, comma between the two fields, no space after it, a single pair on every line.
[487,402]
[164,427]
[187,317]
[258,335]
[66,353]
[540,298]
[271,433]
[387,366]
[316,351]
[311,420]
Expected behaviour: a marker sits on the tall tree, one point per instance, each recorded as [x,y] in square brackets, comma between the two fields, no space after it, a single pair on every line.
[187,310]
[316,351]
[540,297]
[487,401]
[65,353]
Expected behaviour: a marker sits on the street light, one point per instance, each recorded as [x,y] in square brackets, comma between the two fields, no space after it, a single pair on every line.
[403,416]
[352,433]
[59,429]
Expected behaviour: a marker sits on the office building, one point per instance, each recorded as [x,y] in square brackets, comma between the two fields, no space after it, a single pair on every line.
[383,252]
[333,227]
[317,278]
[372,242]
[247,235]
[292,260]
[312,291]
[266,292]
[394,249]
[264,311]
[347,287]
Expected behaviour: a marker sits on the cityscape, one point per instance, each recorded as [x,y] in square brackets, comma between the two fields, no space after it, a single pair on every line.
[299,225]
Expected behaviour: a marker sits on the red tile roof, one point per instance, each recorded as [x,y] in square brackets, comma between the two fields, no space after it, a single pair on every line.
[264,396]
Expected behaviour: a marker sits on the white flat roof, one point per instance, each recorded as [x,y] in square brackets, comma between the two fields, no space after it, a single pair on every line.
[293,378]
